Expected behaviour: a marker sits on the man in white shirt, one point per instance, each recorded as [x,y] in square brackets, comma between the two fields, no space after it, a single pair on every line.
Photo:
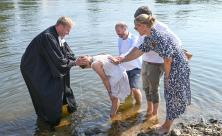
[126,42]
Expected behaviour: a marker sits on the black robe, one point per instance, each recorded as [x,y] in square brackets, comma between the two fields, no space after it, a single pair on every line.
[45,67]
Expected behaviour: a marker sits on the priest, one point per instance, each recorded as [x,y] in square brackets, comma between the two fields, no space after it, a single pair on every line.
[45,67]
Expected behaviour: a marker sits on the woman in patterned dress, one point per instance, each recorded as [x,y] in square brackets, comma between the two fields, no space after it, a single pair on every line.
[177,92]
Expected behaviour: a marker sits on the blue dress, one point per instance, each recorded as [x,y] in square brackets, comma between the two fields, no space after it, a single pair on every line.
[177,91]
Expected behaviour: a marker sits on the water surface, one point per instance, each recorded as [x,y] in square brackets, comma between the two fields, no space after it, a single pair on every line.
[196,22]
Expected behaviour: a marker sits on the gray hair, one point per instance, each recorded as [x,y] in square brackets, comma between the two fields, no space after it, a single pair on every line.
[121,24]
[143,10]
[66,21]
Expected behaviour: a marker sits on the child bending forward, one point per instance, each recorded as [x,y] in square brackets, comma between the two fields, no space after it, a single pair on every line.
[114,78]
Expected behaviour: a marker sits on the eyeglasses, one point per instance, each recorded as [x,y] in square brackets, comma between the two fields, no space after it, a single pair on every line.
[137,25]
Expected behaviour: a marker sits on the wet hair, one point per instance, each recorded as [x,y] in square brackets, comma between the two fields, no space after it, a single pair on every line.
[142,10]
[121,24]
[83,66]
[66,21]
[148,20]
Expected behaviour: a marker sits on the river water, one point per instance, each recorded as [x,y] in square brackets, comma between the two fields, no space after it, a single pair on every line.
[197,22]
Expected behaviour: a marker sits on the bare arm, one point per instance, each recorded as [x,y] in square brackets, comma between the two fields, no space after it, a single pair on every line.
[98,67]
[167,66]
[133,54]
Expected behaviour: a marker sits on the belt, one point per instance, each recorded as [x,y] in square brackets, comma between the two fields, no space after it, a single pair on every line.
[154,63]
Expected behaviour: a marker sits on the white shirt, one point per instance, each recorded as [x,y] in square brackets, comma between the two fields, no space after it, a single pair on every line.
[114,72]
[152,56]
[125,46]
[61,41]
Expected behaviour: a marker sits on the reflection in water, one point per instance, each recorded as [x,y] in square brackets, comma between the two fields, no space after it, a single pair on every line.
[4,5]
[27,4]
[95,1]
[43,129]
[186,1]
[127,122]
[131,122]
[5,14]
[174,1]
[21,20]
[93,12]
[29,11]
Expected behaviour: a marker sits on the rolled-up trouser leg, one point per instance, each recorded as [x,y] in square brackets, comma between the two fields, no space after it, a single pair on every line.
[151,74]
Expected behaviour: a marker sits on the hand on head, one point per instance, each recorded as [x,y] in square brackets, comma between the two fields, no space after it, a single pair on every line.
[82,60]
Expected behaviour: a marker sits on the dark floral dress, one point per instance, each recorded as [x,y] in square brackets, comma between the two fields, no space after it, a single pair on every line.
[177,91]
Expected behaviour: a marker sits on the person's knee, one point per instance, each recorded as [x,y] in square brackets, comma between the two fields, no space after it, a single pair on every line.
[155,91]
[136,91]
[149,97]
[155,97]
[137,95]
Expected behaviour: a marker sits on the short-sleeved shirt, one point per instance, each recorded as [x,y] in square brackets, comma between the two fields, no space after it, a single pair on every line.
[152,56]
[125,46]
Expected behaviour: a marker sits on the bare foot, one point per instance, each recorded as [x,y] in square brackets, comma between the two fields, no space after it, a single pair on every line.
[161,130]
[63,123]
[151,116]
[113,117]
[154,119]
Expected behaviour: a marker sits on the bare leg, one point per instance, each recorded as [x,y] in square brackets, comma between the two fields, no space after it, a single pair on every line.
[137,95]
[155,109]
[115,106]
[149,108]
[152,112]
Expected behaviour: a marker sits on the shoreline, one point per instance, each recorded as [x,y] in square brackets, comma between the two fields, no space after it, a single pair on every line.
[139,126]
[211,127]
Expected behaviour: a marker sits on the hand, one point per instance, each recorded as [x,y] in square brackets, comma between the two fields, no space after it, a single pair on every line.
[116,60]
[166,81]
[81,61]
[188,55]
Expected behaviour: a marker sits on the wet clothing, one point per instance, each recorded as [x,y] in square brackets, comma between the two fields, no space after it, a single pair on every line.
[177,91]
[117,76]
[45,67]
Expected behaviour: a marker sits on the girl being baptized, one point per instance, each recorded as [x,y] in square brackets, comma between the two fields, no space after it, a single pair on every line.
[114,78]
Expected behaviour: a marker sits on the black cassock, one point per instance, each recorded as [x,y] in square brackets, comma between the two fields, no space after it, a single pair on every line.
[45,67]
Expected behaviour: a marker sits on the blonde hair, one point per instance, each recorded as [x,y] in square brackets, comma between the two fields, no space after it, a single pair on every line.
[121,24]
[66,21]
[148,20]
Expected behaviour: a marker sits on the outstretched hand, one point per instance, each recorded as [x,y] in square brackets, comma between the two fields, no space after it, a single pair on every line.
[116,60]
[188,54]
